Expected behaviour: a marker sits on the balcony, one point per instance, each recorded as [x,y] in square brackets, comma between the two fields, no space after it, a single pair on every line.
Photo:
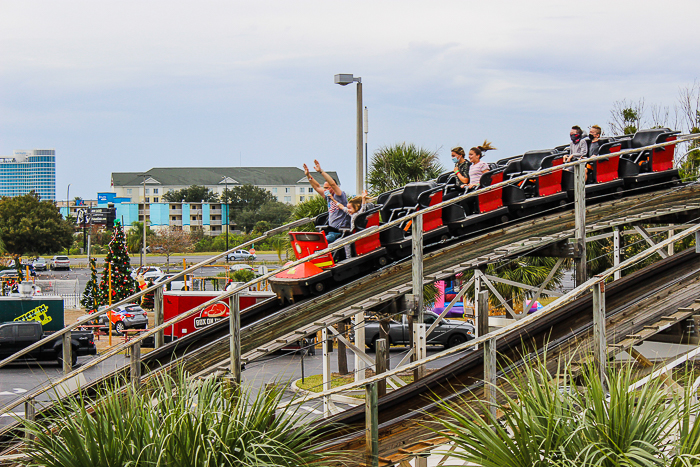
[215,222]
[176,222]
[176,212]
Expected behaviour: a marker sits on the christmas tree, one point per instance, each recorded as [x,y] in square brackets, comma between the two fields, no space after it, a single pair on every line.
[91,294]
[123,285]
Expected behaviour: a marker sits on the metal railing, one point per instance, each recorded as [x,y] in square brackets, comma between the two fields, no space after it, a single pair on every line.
[335,246]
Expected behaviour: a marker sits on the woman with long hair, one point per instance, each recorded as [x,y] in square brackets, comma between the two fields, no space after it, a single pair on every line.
[478,168]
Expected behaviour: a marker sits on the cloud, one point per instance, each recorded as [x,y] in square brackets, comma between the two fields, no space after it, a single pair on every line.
[109,82]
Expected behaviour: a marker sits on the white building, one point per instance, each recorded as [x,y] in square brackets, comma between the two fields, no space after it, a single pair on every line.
[288,184]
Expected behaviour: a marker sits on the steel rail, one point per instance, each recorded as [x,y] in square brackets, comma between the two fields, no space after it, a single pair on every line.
[335,246]
[82,320]
[638,201]
[516,326]
[405,422]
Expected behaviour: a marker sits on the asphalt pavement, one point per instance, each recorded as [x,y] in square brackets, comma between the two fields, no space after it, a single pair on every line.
[280,368]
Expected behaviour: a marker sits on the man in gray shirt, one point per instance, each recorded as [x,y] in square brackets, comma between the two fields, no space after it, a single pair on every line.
[578,147]
[337,218]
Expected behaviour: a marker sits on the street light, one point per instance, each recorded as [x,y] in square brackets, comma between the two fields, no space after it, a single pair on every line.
[344,79]
[68,202]
[225,179]
[143,254]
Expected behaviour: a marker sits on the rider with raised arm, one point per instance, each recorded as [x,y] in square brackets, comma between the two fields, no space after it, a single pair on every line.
[337,218]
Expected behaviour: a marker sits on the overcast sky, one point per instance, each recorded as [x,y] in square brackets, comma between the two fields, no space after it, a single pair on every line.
[122,86]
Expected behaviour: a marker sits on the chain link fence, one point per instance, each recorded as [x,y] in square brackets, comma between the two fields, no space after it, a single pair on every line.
[66,288]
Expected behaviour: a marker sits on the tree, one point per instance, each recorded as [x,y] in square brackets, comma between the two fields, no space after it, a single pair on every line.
[272,212]
[395,166]
[528,270]
[171,241]
[689,99]
[117,258]
[134,238]
[31,226]
[192,194]
[246,197]
[310,208]
[626,117]
[91,294]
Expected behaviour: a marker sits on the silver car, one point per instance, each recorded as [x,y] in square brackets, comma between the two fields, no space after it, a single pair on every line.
[241,255]
[60,262]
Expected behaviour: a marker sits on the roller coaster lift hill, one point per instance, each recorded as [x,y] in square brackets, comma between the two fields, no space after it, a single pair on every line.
[625,164]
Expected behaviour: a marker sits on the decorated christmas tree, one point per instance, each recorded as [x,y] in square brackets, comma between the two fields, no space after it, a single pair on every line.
[91,294]
[118,258]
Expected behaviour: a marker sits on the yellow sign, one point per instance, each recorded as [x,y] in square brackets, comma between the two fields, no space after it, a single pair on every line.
[37,314]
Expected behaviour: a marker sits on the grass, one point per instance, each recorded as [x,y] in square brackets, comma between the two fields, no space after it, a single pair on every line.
[314,383]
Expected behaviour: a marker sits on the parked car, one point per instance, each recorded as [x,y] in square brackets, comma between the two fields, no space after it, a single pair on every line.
[8,273]
[16,335]
[241,255]
[245,267]
[178,284]
[39,264]
[60,262]
[13,272]
[129,316]
[449,332]
[147,272]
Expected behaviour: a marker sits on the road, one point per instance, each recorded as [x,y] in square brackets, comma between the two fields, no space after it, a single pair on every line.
[175,260]
[82,274]
[280,368]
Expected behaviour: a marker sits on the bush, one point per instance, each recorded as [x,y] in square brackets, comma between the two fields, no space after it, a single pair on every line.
[242,275]
[574,420]
[170,422]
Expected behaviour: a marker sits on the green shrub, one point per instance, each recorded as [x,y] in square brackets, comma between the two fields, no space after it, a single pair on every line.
[173,422]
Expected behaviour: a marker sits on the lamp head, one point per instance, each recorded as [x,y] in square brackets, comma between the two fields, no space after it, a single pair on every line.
[345,78]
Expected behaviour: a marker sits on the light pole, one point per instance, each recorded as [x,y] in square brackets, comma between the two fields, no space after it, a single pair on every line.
[344,79]
[143,254]
[366,152]
[227,217]
[68,201]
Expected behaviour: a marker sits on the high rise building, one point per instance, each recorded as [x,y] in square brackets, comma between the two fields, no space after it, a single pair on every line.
[24,171]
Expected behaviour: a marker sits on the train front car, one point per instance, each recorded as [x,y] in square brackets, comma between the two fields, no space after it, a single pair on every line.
[306,278]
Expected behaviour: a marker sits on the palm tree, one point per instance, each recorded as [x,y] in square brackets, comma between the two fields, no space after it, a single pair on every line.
[528,270]
[395,166]
[134,237]
[310,208]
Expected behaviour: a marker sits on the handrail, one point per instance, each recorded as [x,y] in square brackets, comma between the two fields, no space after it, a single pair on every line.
[546,310]
[133,297]
[335,246]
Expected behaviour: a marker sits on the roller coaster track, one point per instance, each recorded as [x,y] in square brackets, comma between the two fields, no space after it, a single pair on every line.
[637,307]
[267,326]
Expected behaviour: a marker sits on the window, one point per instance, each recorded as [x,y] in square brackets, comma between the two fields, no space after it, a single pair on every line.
[6,331]
[288,199]
[155,191]
[25,331]
[155,200]
[286,190]
[128,191]
[274,190]
[301,198]
[148,200]
[148,190]
[311,190]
